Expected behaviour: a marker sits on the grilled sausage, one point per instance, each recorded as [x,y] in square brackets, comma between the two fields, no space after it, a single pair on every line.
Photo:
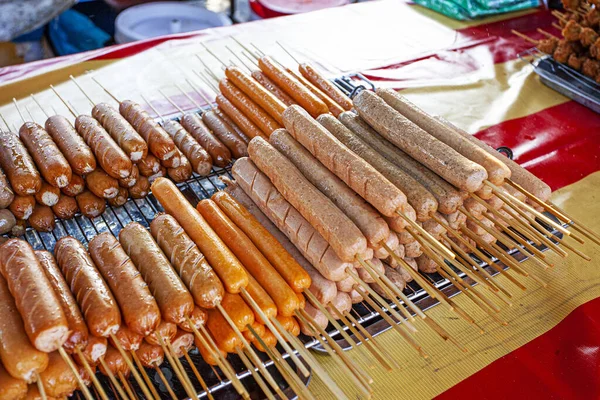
[251,257]
[6,192]
[131,179]
[228,122]
[225,264]
[19,229]
[150,355]
[268,84]
[159,142]
[115,362]
[33,393]
[129,340]
[22,206]
[93,351]
[45,322]
[149,165]
[300,232]
[11,388]
[174,300]
[413,249]
[102,184]
[78,331]
[48,195]
[58,379]
[325,86]
[197,156]
[73,147]
[317,316]
[342,302]
[140,311]
[75,187]
[109,155]
[227,136]
[90,290]
[18,165]
[198,318]
[140,189]
[7,221]
[121,131]
[243,122]
[207,355]
[436,155]
[188,261]
[220,154]
[181,173]
[292,87]
[356,172]
[333,107]
[19,357]
[345,238]
[120,199]
[90,205]
[497,171]
[366,218]
[182,342]
[50,161]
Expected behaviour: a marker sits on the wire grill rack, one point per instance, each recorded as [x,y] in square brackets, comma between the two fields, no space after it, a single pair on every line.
[196,188]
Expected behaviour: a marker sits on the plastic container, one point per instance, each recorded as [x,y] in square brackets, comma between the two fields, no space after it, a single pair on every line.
[277,8]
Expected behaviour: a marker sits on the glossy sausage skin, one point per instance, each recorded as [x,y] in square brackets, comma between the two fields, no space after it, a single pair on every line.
[93,351]
[159,142]
[6,193]
[58,379]
[45,321]
[90,205]
[75,187]
[22,206]
[220,258]
[333,107]
[300,232]
[343,235]
[48,195]
[183,172]
[109,155]
[76,151]
[150,355]
[129,340]
[140,189]
[174,300]
[42,219]
[115,362]
[65,208]
[102,184]
[228,122]
[244,123]
[182,342]
[18,165]
[121,131]
[78,331]
[276,254]
[252,259]
[18,355]
[120,199]
[131,179]
[149,165]
[166,331]
[140,311]
[11,388]
[47,156]
[220,154]
[325,86]
[268,84]
[197,156]
[226,135]
[7,221]
[198,318]
[188,261]
[89,288]
[292,87]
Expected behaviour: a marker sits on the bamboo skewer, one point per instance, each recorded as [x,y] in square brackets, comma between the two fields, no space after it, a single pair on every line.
[163,378]
[131,367]
[189,389]
[196,373]
[113,379]
[179,366]
[147,379]
[40,386]
[82,91]
[525,37]
[427,236]
[71,110]
[84,389]
[92,375]
[126,386]
[261,383]
[578,226]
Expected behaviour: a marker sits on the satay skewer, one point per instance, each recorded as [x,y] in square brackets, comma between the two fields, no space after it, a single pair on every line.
[147,379]
[165,382]
[261,383]
[90,372]
[181,375]
[136,375]
[112,378]
[125,384]
[196,373]
[84,389]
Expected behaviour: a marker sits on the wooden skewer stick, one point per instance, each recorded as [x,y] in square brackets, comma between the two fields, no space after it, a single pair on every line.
[575,224]
[560,16]
[163,378]
[35,100]
[245,48]
[430,239]
[289,53]
[259,51]
[206,81]
[113,379]
[256,361]
[187,95]
[208,70]
[82,91]
[30,114]
[40,386]
[261,383]
[212,54]
[180,366]
[547,34]
[252,303]
[557,26]
[172,102]
[71,110]
[188,389]
[92,375]
[106,90]
[147,379]
[126,386]
[197,90]
[18,109]
[84,389]
[137,376]
[197,374]
[525,37]
[240,59]
[250,59]
[5,123]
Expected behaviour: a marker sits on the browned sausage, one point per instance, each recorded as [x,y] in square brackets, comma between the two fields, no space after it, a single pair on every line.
[273,88]
[162,172]
[220,154]
[93,351]
[140,189]
[150,355]
[119,199]
[188,261]
[159,142]
[120,130]
[78,331]
[115,362]
[129,340]
[198,318]
[18,355]
[22,206]
[227,136]
[232,125]
[166,331]
[109,155]
[197,156]
[75,187]
[18,165]
[102,184]
[181,173]
[149,165]
[140,311]
[45,322]
[73,147]
[174,300]
[131,179]
[91,292]
[326,86]
[90,205]
[7,221]
[243,122]
[183,341]
[58,379]
[6,192]
[48,195]
[11,388]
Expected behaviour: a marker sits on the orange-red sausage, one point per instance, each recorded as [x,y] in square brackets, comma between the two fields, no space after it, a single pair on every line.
[251,257]
[18,165]
[58,379]
[11,388]
[48,195]
[225,264]
[166,331]
[42,219]
[325,86]
[93,351]
[268,84]
[75,187]
[149,165]
[333,107]
[198,318]
[243,122]
[296,277]
[183,172]
[120,199]
[45,321]
[131,179]
[140,189]
[22,206]
[90,205]
[102,184]
[73,147]
[195,153]
[150,355]
[129,340]
[220,154]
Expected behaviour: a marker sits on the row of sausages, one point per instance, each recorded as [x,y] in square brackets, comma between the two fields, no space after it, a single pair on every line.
[142,283]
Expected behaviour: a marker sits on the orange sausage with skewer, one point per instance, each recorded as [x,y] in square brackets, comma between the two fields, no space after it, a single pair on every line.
[18,165]
[243,122]
[225,134]
[268,84]
[80,156]
[251,257]
[325,86]
[333,107]
[220,154]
